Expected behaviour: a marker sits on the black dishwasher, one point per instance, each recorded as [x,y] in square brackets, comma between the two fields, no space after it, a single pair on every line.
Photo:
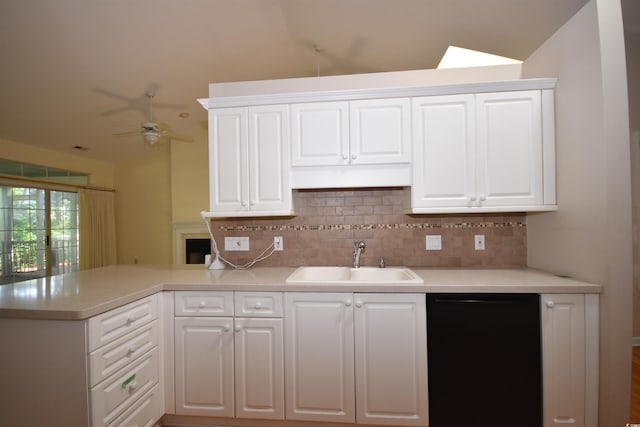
[484,360]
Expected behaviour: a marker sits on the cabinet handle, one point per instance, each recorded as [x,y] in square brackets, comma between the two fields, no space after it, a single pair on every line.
[131,319]
[202,304]
[564,420]
[550,304]
[348,303]
[353,157]
[345,157]
[483,197]
[359,303]
[132,350]
[238,328]
[258,305]
[227,327]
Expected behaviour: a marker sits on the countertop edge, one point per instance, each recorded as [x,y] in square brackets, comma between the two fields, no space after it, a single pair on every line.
[436,281]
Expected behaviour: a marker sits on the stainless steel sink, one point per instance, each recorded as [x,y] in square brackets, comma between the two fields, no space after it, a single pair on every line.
[346,275]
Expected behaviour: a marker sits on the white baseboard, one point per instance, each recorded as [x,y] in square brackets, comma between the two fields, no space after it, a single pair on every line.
[635,341]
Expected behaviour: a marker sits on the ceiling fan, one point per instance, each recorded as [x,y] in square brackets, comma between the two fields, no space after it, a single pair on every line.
[153,132]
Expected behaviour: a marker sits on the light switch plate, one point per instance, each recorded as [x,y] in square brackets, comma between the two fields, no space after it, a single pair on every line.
[434,242]
[236,243]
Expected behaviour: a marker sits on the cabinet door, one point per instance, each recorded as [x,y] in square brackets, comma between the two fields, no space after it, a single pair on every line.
[509,148]
[204,366]
[269,188]
[259,366]
[320,135]
[444,151]
[228,160]
[319,357]
[391,359]
[563,359]
[380,131]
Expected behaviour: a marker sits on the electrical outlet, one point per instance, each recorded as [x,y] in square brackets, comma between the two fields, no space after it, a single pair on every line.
[434,242]
[236,243]
[479,242]
[278,243]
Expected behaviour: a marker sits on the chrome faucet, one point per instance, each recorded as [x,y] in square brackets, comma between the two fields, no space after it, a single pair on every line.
[358,248]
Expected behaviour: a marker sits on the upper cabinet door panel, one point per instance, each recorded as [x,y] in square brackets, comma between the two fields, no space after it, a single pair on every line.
[380,131]
[269,157]
[320,134]
[444,150]
[510,147]
[228,159]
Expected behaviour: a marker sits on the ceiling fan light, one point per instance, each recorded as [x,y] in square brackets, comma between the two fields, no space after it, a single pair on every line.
[151,138]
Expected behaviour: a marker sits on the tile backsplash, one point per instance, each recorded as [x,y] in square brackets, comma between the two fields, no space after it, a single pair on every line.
[328,222]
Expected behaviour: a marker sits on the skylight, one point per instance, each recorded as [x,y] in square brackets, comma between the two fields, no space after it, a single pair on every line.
[458,57]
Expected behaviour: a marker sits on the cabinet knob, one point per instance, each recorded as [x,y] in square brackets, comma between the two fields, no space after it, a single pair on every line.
[238,328]
[258,305]
[227,327]
[202,304]
[359,303]
[131,319]
[483,198]
[348,303]
[550,304]
[345,157]
[353,157]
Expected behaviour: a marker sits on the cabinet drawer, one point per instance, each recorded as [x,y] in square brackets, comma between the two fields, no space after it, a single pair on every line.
[144,413]
[258,304]
[113,324]
[117,354]
[111,397]
[207,303]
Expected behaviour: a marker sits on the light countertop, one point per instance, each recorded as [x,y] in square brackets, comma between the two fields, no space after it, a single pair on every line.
[87,293]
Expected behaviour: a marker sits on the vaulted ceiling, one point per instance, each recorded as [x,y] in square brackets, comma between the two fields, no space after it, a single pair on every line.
[74,72]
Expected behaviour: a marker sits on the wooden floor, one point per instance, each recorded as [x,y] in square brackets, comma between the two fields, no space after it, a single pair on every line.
[634,417]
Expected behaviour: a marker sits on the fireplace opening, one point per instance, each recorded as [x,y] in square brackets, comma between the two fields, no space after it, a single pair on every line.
[196,249]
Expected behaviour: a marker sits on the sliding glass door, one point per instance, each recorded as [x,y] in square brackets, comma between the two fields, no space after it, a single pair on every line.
[38,233]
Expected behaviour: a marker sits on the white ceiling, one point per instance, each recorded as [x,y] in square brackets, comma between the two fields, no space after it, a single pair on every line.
[76,71]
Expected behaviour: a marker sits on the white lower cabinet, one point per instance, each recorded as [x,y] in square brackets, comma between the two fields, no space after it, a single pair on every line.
[319,357]
[378,377]
[226,366]
[204,366]
[391,359]
[570,359]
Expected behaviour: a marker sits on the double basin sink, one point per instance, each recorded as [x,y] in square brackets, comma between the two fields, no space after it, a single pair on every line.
[348,275]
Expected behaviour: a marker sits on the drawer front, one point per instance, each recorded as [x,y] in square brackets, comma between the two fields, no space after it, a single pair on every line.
[110,358]
[117,393]
[144,413]
[207,303]
[258,304]
[109,326]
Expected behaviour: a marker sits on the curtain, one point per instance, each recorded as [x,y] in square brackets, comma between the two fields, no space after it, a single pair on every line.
[97,228]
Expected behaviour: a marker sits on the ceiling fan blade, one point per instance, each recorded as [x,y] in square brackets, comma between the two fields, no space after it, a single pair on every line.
[131,133]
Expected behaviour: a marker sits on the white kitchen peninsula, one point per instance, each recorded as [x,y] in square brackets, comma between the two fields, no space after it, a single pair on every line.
[48,331]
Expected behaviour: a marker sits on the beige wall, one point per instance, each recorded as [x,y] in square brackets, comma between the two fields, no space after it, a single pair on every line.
[190,179]
[632,44]
[143,209]
[590,236]
[102,173]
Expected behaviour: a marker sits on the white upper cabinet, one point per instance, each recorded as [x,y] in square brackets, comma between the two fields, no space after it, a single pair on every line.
[249,161]
[350,133]
[462,148]
[483,152]
[509,126]
[380,131]
[320,134]
[444,151]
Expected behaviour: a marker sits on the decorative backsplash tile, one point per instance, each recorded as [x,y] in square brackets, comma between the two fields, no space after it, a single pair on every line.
[328,222]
